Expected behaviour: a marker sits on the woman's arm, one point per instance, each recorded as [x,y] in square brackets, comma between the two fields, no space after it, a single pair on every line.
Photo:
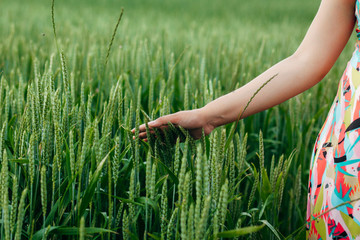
[322,44]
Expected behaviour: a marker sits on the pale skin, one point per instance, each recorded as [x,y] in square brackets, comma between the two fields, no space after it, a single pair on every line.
[308,65]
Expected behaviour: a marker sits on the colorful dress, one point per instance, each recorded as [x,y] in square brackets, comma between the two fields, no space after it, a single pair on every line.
[333,209]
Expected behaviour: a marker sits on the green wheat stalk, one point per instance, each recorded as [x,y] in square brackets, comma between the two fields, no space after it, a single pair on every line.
[246,106]
[112,39]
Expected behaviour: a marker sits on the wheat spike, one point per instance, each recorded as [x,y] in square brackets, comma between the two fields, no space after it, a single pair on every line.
[14,202]
[164,207]
[21,215]
[82,231]
[5,195]
[170,226]
[177,157]
[132,195]
[298,186]
[223,203]
[43,191]
[183,218]
[253,190]
[190,223]
[125,226]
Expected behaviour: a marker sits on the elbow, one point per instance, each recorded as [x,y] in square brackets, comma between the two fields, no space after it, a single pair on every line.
[314,66]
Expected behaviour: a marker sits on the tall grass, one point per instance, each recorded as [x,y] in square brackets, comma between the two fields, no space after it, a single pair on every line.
[70,168]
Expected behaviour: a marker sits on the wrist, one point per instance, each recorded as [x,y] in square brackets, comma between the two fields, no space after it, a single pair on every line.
[211,117]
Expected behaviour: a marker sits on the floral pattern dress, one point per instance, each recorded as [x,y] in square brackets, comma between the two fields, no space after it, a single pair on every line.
[333,208]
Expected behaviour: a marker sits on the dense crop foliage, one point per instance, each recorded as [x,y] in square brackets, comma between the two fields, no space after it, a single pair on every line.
[70,167]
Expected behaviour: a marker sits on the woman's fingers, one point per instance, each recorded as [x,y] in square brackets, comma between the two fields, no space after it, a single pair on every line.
[142,135]
[142,128]
[191,120]
[157,123]
[162,121]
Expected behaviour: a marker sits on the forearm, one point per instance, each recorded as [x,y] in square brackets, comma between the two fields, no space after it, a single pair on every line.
[293,76]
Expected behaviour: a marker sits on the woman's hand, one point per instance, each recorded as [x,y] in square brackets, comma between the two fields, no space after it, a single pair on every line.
[193,121]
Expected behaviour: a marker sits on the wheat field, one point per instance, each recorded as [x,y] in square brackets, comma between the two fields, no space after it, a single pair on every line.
[75,78]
